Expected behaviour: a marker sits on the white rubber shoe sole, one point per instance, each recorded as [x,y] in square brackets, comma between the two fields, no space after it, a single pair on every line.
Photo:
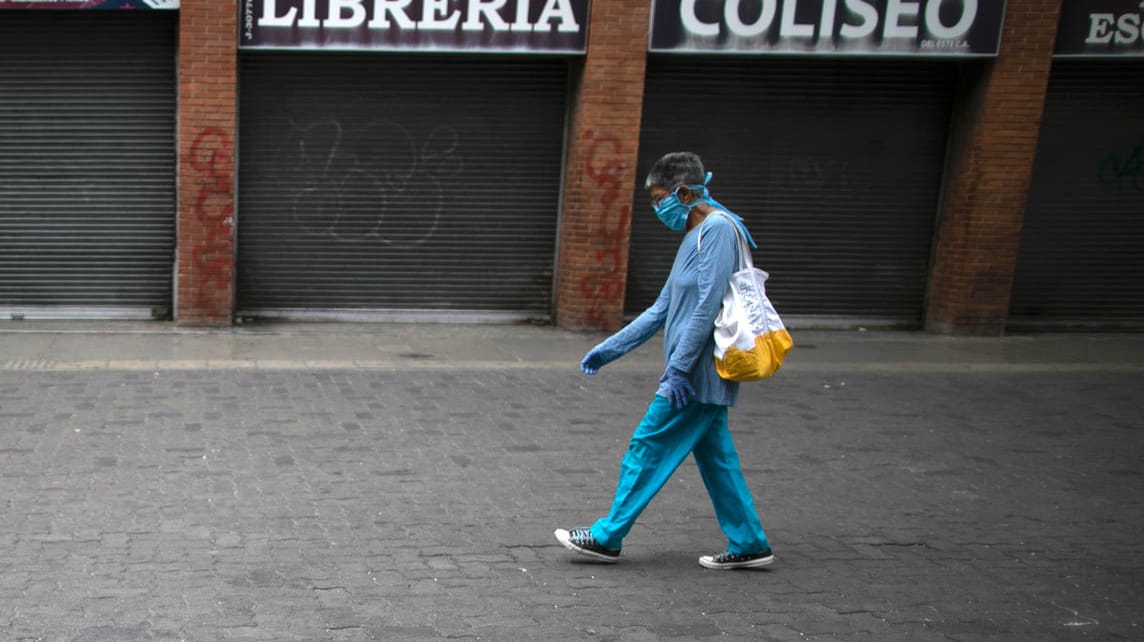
[565,538]
[710,561]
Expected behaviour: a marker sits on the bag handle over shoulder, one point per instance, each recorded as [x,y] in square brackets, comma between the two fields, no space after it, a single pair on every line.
[745,262]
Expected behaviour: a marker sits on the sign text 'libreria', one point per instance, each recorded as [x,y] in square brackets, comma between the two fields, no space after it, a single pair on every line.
[556,26]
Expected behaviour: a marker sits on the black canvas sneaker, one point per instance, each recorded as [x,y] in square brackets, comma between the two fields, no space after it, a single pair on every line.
[729,560]
[581,541]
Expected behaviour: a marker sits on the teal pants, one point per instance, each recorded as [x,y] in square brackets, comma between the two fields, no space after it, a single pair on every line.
[659,445]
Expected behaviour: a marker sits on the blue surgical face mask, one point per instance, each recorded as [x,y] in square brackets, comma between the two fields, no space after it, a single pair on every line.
[672,213]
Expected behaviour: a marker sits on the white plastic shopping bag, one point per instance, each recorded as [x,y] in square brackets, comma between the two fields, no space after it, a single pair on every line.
[750,338]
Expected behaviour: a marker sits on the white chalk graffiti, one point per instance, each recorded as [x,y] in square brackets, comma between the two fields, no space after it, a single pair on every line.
[371,183]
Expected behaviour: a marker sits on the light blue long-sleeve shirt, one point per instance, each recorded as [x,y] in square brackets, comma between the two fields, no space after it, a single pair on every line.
[686,309]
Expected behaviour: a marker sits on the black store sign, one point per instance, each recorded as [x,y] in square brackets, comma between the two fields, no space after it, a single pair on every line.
[526,26]
[1090,28]
[947,28]
[90,4]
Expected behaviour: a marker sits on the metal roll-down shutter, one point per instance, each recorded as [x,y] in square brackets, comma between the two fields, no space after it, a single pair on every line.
[836,166]
[383,184]
[87,163]
[1082,239]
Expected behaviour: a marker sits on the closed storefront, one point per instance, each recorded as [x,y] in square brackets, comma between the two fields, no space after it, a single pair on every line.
[406,164]
[835,165]
[828,134]
[1083,233]
[87,160]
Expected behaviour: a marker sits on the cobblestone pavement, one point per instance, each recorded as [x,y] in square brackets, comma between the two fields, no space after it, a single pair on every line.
[417,502]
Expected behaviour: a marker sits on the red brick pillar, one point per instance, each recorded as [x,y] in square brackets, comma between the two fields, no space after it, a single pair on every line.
[996,127]
[600,168]
[208,40]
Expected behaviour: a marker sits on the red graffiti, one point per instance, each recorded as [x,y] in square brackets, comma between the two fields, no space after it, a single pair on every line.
[603,288]
[211,158]
[210,155]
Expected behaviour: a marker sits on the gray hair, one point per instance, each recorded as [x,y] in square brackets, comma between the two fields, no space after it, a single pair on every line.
[675,169]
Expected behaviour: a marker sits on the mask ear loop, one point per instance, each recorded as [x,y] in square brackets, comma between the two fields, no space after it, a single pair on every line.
[707,180]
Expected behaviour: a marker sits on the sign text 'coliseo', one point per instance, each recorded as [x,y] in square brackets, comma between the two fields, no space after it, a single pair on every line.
[957,27]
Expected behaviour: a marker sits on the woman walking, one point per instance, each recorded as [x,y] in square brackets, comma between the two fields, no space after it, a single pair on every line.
[689,412]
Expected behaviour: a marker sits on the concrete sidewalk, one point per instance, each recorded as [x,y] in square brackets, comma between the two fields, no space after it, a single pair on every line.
[149,346]
[389,482]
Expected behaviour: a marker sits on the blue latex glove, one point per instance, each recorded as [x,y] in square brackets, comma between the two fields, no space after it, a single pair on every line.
[675,387]
[593,361]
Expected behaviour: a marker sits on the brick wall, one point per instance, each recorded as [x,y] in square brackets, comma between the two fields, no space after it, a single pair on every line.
[996,127]
[207,83]
[600,169]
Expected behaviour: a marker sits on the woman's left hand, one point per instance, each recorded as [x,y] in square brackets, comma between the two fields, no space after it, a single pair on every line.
[676,388]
